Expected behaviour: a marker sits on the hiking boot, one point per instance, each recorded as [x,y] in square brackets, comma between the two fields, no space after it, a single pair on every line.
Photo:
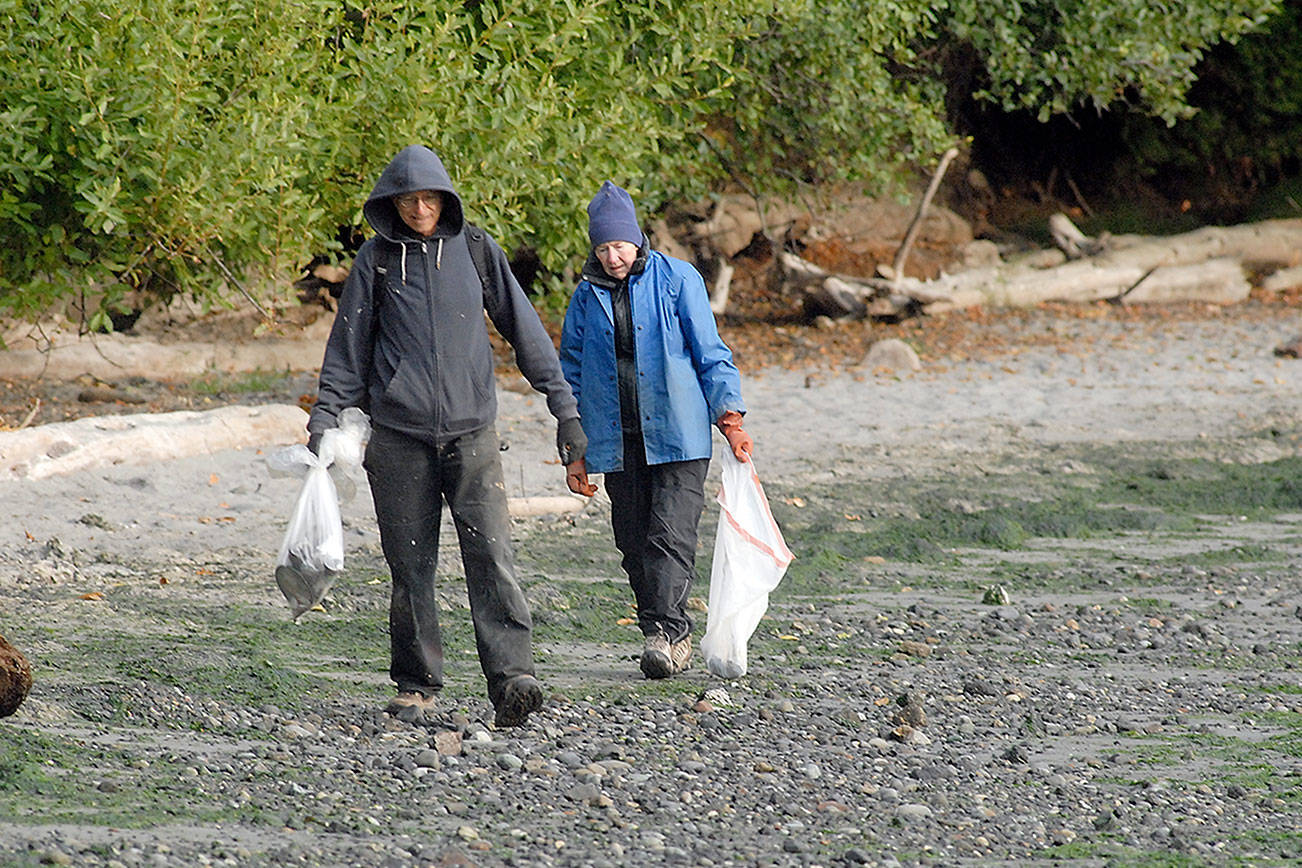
[410,706]
[521,697]
[656,662]
[680,653]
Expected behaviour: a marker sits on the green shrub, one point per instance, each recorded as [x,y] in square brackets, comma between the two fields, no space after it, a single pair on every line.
[1246,134]
[157,145]
[212,148]
[1052,57]
[156,150]
[832,91]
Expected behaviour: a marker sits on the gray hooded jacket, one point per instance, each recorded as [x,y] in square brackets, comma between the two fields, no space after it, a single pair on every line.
[409,344]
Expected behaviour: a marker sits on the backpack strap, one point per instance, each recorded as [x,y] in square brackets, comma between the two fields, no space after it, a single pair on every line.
[477,241]
[389,259]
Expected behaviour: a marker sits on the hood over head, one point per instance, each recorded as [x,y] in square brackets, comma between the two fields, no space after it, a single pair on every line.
[415,168]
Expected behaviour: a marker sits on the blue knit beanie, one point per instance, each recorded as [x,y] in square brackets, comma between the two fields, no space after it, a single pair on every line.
[611,217]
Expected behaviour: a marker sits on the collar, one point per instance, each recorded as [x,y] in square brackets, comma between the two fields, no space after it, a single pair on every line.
[596,275]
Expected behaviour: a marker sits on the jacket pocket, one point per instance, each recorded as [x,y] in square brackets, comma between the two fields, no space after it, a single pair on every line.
[407,398]
[465,390]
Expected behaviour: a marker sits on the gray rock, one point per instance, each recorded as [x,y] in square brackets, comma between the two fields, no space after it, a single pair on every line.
[892,354]
[913,811]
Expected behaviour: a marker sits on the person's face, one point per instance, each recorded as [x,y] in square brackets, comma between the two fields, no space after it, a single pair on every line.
[420,211]
[616,257]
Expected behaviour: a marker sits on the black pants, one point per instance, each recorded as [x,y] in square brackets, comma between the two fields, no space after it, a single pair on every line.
[654,511]
[409,482]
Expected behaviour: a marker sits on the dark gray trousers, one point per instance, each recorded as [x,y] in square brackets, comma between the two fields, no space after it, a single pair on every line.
[410,479]
[654,511]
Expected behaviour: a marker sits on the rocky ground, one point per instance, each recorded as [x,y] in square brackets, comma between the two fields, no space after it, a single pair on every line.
[1045,609]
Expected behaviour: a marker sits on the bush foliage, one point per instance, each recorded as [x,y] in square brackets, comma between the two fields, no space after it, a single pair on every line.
[211,148]
[1246,134]
[1056,56]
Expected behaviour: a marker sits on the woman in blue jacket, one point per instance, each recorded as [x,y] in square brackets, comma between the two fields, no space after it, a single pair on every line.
[644,359]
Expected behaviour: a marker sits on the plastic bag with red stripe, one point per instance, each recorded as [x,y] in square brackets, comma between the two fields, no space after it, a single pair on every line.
[750,558]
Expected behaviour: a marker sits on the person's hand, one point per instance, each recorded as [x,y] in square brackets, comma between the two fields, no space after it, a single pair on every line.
[571,442]
[741,443]
[314,443]
[576,477]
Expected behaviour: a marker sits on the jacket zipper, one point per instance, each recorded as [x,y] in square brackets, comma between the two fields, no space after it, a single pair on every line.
[433,338]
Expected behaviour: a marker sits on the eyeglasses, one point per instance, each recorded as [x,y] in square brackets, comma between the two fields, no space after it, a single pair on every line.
[409,201]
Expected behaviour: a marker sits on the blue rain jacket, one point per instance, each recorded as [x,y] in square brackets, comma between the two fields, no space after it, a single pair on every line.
[686,378]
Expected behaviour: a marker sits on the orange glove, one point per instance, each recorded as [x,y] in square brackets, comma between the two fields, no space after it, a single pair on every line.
[576,477]
[730,424]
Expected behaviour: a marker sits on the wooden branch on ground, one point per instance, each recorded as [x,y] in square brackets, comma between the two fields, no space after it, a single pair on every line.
[1085,206]
[1072,241]
[911,234]
[1208,265]
[833,295]
[27,420]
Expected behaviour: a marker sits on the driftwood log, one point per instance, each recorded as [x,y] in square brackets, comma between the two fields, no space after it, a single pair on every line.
[1285,278]
[911,234]
[1209,265]
[1072,241]
[722,287]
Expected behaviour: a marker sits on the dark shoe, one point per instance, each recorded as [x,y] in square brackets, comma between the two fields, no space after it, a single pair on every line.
[410,705]
[680,654]
[656,662]
[521,697]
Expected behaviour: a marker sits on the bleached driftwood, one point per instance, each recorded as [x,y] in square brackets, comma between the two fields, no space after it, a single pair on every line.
[1285,278]
[1072,241]
[1207,265]
[1215,281]
[1265,246]
[827,294]
[911,234]
[722,286]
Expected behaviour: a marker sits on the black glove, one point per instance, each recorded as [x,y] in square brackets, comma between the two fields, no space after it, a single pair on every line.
[314,443]
[571,442]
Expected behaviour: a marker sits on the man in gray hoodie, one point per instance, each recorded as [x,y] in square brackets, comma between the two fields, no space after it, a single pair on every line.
[410,347]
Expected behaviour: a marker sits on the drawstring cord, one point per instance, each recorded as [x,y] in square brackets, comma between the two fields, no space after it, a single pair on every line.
[438,259]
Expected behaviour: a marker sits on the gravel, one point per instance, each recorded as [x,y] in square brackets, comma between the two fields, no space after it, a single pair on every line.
[1124,699]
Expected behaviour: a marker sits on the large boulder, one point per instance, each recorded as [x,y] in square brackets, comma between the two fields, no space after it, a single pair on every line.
[15,678]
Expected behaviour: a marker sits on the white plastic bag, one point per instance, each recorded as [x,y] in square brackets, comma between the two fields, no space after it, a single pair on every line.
[750,558]
[312,553]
